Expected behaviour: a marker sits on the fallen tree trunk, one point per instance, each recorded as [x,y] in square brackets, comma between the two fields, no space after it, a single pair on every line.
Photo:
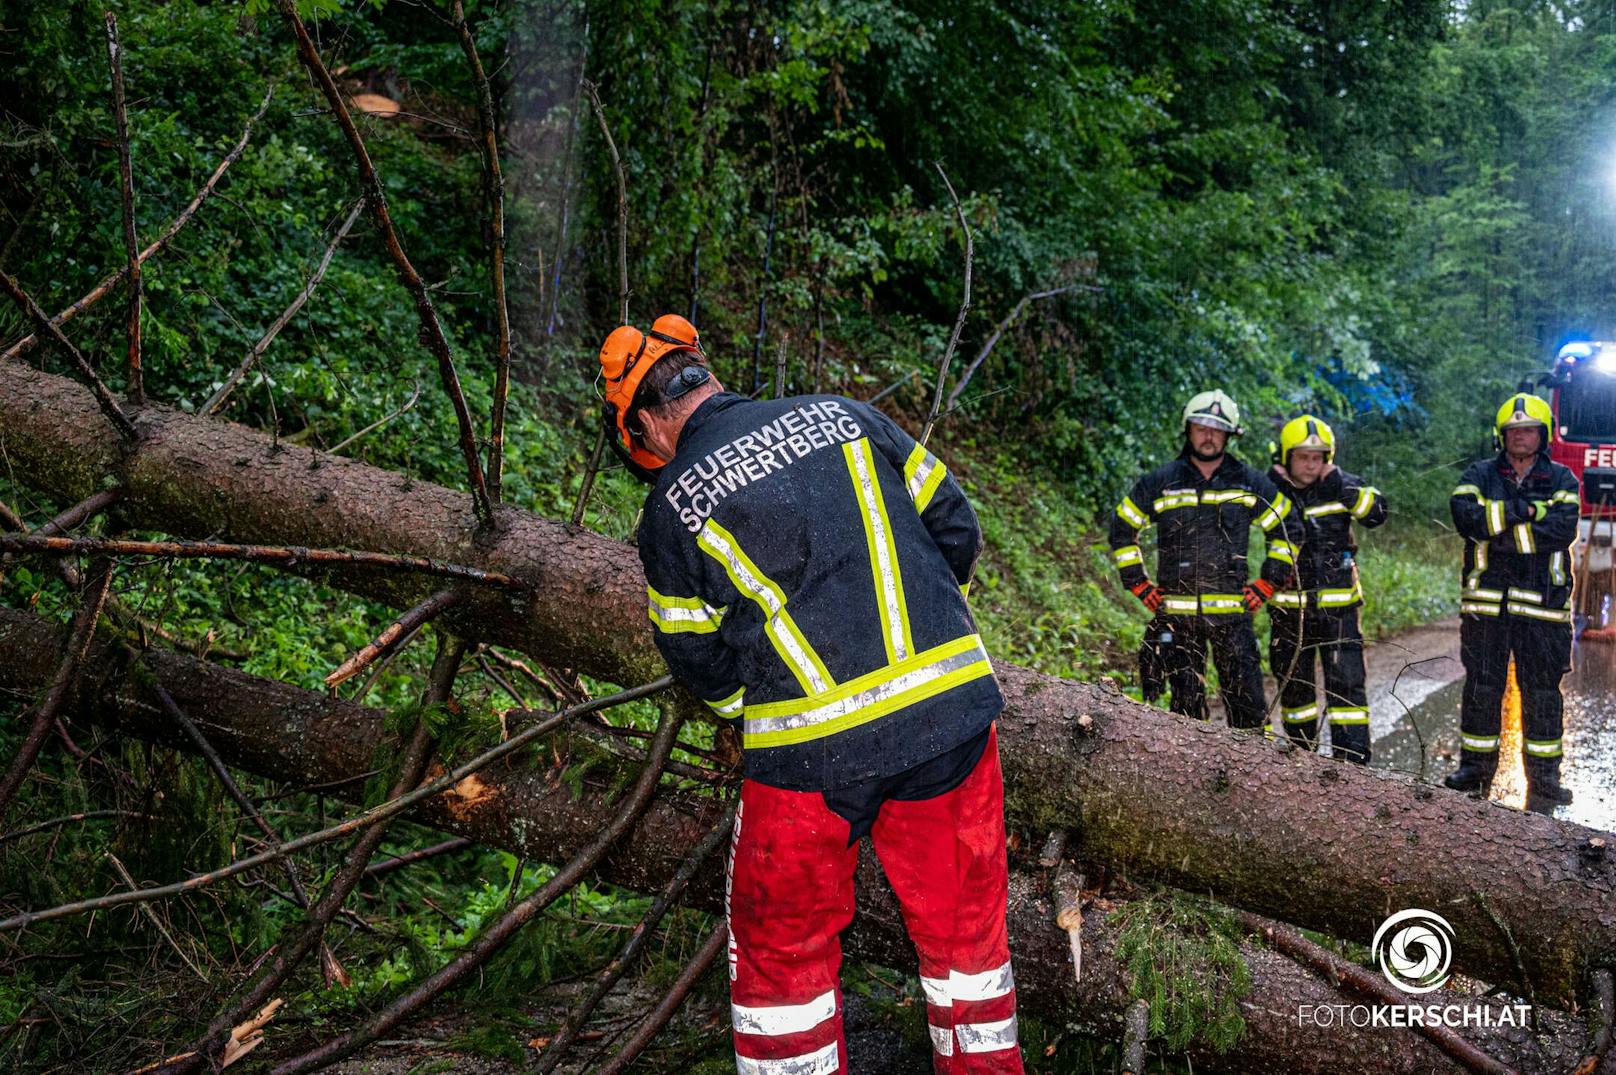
[1295,836]
[290,734]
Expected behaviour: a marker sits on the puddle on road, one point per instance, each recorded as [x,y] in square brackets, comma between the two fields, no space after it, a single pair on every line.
[1589,766]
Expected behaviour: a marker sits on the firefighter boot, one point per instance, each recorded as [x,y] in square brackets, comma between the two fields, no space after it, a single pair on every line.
[1475,772]
[1543,783]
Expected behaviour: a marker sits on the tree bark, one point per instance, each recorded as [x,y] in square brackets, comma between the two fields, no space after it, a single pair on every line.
[286,733]
[1296,836]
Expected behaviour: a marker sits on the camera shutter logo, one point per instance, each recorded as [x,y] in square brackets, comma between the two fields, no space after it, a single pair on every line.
[1414,949]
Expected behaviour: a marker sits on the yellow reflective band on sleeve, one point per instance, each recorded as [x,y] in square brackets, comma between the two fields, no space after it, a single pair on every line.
[1276,511]
[1557,571]
[1542,748]
[923,473]
[1333,507]
[731,706]
[1470,491]
[1495,516]
[782,630]
[1565,496]
[1283,551]
[1366,500]
[895,634]
[1127,555]
[1348,715]
[867,698]
[1524,541]
[676,615]
[1130,513]
[1474,578]
[1482,744]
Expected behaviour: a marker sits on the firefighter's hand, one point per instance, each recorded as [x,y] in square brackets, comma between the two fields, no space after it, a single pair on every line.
[1256,594]
[1519,510]
[1149,594]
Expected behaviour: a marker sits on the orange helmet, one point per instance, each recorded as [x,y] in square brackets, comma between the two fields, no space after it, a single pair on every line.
[625,358]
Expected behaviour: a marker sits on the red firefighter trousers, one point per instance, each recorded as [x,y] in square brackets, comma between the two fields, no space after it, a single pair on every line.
[790,895]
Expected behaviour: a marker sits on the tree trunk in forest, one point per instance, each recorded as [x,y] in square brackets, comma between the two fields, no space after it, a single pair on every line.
[1296,836]
[290,734]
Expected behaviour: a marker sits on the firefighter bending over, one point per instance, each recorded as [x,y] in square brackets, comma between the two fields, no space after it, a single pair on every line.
[1518,514]
[1319,618]
[1203,505]
[807,563]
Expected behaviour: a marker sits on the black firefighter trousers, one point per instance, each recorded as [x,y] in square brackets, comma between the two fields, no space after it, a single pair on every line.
[1542,652]
[1298,640]
[1234,652]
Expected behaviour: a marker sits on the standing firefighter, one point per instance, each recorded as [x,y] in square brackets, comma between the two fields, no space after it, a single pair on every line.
[1319,619]
[1203,505]
[1518,515]
[807,563]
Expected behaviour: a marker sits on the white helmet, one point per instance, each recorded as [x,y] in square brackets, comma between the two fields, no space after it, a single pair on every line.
[1214,409]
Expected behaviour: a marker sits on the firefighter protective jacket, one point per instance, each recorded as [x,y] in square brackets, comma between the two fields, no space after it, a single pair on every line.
[807,563]
[1203,528]
[1516,556]
[1326,566]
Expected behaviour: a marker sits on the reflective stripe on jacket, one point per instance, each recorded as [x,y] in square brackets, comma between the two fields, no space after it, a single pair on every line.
[1511,566]
[1202,529]
[806,561]
[1327,568]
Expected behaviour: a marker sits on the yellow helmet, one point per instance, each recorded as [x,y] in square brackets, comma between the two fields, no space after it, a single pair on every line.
[1308,433]
[1524,410]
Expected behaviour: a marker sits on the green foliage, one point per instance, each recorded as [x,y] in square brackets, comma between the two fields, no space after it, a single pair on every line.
[1183,955]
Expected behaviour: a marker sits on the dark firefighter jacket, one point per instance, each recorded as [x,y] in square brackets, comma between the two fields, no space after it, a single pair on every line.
[1513,566]
[1326,567]
[807,563]
[1203,528]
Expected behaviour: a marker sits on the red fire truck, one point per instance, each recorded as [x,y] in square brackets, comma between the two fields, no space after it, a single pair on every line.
[1583,394]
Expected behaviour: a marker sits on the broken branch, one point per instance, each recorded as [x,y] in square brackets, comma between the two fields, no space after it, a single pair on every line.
[965,308]
[431,328]
[406,625]
[104,288]
[276,555]
[256,351]
[670,1003]
[998,331]
[126,184]
[103,396]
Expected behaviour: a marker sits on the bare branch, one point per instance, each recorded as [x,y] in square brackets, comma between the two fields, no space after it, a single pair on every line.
[569,1029]
[999,330]
[671,1003]
[494,181]
[256,351]
[90,506]
[104,288]
[378,423]
[622,288]
[431,328]
[67,673]
[289,952]
[390,808]
[408,622]
[69,819]
[277,555]
[150,914]
[395,862]
[126,180]
[494,936]
[109,405]
[965,308]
